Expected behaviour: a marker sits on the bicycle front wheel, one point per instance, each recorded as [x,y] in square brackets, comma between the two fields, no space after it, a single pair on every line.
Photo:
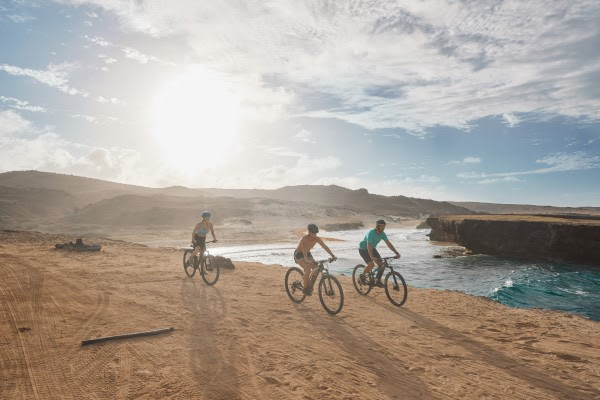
[294,283]
[361,288]
[331,294]
[210,270]
[395,288]
[190,270]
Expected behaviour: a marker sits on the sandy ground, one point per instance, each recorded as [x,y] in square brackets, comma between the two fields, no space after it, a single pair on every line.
[243,338]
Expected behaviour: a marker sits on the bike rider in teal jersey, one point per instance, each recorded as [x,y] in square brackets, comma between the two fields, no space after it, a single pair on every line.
[199,235]
[367,250]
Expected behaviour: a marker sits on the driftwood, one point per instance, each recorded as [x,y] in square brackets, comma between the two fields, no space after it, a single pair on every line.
[126,336]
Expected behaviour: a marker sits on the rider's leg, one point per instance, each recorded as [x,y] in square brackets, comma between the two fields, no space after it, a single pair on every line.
[369,267]
[371,262]
[198,251]
[307,267]
[379,270]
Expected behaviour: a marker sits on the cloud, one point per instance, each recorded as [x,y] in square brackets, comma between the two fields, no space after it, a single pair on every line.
[98,41]
[23,146]
[388,64]
[510,119]
[142,58]
[305,136]
[55,76]
[19,19]
[467,160]
[21,104]
[88,118]
[131,53]
[12,123]
[558,162]
[111,100]
[303,168]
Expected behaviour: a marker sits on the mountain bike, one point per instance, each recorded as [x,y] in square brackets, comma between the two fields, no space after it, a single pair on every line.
[394,284]
[331,294]
[209,269]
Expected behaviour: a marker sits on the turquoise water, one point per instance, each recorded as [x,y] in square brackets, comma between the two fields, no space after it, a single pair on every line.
[568,288]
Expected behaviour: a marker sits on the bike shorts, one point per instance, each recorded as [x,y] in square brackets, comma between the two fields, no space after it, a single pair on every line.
[365,255]
[200,241]
[298,256]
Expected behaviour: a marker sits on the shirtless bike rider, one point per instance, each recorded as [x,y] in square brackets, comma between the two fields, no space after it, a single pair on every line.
[304,258]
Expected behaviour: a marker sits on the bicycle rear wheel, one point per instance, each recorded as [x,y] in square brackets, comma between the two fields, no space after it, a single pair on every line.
[360,287]
[395,288]
[331,294]
[190,270]
[294,283]
[210,270]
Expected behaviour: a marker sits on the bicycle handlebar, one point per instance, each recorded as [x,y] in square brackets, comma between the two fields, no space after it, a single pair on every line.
[388,258]
[328,260]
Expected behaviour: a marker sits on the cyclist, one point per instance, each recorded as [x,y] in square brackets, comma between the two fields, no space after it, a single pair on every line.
[303,257]
[367,250]
[199,235]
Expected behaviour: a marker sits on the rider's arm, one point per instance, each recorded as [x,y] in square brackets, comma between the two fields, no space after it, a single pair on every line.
[324,246]
[194,231]
[212,232]
[391,246]
[370,250]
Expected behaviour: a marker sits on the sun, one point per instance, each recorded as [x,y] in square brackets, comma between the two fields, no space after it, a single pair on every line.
[195,120]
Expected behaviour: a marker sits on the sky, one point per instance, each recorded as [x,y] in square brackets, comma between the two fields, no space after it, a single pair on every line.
[488,101]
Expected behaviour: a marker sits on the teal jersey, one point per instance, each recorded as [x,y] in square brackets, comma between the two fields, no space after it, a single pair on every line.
[373,238]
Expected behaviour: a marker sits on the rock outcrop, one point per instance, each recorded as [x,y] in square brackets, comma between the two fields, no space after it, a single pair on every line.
[77,246]
[523,236]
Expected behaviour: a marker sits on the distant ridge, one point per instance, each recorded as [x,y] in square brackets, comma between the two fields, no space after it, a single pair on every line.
[54,202]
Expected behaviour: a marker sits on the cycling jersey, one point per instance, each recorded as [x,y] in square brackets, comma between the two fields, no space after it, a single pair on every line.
[373,238]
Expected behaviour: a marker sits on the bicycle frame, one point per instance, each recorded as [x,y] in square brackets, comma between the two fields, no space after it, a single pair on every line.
[314,274]
[202,255]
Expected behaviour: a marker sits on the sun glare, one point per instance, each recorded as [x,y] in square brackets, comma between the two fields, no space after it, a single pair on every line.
[195,121]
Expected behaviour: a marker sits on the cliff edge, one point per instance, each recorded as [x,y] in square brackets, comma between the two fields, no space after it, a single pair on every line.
[558,238]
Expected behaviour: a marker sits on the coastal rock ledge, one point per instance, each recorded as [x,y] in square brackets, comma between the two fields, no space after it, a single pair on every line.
[542,237]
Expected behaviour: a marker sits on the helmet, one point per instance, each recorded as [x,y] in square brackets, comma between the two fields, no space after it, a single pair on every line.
[312,228]
[380,222]
[205,214]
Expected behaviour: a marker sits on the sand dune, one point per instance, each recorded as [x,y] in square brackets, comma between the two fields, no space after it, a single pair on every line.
[244,339]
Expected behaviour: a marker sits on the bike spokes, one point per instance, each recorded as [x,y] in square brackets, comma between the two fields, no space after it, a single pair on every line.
[395,288]
[331,294]
[294,279]
[362,286]
[210,270]
[188,263]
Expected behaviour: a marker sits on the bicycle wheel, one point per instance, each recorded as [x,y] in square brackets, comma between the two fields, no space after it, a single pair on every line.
[294,283]
[395,288]
[210,270]
[361,288]
[190,270]
[331,294]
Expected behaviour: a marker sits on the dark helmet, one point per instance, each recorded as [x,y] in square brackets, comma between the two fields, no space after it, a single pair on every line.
[312,228]
[380,222]
[205,214]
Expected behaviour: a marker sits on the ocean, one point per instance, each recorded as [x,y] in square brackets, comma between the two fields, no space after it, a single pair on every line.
[527,284]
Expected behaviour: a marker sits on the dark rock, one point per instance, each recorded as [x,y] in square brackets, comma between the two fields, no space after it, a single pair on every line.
[423,225]
[525,237]
[78,246]
[344,226]
[224,262]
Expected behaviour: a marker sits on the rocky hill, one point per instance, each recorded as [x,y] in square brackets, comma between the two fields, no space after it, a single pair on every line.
[54,202]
